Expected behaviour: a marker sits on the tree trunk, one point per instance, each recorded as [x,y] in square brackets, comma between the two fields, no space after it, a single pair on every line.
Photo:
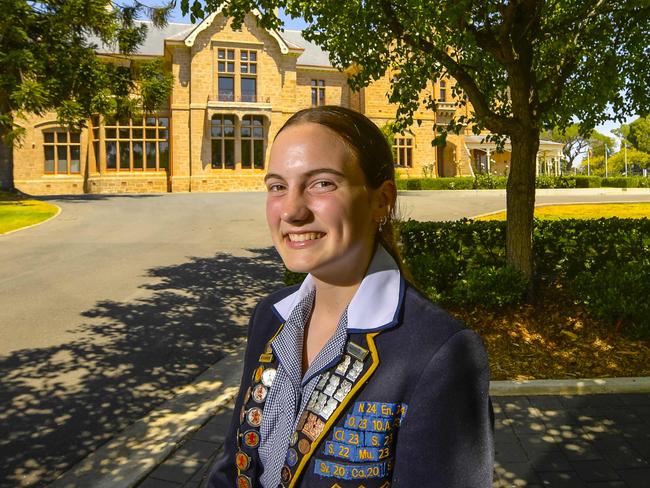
[521,202]
[6,166]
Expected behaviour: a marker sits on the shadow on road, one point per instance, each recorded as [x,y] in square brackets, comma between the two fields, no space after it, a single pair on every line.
[93,197]
[57,404]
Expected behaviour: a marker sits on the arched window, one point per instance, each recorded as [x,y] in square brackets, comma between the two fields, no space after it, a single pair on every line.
[252,142]
[62,152]
[222,132]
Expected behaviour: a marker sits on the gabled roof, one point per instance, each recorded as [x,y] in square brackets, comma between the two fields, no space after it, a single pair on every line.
[310,54]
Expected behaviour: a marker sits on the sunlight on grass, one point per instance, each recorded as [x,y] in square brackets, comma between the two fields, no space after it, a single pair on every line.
[585,211]
[17,212]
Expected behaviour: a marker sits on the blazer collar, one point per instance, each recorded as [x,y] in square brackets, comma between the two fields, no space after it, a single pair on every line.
[375,305]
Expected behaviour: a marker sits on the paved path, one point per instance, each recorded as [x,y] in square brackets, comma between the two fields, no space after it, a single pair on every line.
[590,441]
[107,310]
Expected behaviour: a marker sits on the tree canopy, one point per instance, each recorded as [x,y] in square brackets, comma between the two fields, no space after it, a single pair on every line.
[636,160]
[576,144]
[523,65]
[48,62]
[638,133]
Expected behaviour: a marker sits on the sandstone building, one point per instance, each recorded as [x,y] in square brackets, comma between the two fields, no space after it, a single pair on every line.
[233,89]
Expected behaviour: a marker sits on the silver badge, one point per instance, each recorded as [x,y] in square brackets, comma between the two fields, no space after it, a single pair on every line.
[343,390]
[332,385]
[343,365]
[328,410]
[323,380]
[355,371]
[268,376]
[320,404]
[313,400]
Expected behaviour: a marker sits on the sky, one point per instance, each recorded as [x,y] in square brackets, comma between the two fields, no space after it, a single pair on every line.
[300,24]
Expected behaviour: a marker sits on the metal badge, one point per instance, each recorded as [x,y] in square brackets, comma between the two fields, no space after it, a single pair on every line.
[243,482]
[313,400]
[285,474]
[313,426]
[268,376]
[320,404]
[242,414]
[254,416]
[323,380]
[343,390]
[343,365]
[356,350]
[332,385]
[251,438]
[355,371]
[266,358]
[328,410]
[293,439]
[247,395]
[257,374]
[303,446]
[242,460]
[292,457]
[259,393]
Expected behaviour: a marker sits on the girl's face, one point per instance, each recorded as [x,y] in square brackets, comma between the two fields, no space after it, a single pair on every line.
[322,216]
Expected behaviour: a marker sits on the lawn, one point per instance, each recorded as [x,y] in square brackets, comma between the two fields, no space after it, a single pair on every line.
[585,211]
[17,211]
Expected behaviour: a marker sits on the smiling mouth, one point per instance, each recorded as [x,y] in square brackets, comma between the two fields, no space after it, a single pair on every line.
[307,236]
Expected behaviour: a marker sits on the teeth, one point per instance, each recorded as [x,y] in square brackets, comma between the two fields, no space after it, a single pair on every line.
[307,236]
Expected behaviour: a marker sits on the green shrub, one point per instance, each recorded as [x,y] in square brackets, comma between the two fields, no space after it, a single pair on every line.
[491,287]
[621,182]
[414,184]
[548,181]
[587,181]
[644,182]
[291,278]
[400,184]
[489,182]
[618,293]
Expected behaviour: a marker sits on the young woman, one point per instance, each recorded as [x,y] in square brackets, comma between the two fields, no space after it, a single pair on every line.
[352,378]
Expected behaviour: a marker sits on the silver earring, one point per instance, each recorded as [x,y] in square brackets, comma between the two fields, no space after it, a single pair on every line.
[382,222]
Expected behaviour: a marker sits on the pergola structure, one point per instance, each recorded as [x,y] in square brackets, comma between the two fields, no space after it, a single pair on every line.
[487,159]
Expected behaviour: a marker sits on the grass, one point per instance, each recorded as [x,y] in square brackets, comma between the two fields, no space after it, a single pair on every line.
[17,211]
[585,211]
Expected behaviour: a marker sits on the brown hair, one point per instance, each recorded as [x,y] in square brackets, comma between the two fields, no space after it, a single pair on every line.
[369,146]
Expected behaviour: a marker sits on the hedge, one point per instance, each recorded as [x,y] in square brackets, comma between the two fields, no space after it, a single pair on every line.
[604,263]
[482,182]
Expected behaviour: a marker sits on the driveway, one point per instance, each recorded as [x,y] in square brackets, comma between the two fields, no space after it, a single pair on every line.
[110,307]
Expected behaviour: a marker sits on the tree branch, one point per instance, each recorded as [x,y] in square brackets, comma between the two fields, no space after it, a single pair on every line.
[492,121]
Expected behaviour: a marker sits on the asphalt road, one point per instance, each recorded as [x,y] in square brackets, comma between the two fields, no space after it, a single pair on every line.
[111,306]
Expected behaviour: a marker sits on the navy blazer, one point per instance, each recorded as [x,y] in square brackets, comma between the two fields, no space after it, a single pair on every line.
[429,365]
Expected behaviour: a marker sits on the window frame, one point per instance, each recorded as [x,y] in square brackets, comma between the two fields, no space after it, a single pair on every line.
[223,138]
[237,64]
[56,145]
[122,135]
[317,92]
[251,139]
[403,146]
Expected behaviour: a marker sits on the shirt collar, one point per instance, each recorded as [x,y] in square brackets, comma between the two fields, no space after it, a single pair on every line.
[376,303]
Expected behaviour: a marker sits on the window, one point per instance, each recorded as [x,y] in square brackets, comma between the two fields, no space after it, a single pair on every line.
[226,73]
[222,133]
[236,67]
[248,70]
[137,145]
[62,152]
[403,151]
[252,142]
[442,91]
[317,92]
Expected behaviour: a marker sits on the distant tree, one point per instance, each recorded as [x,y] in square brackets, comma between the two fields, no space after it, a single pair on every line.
[597,142]
[523,65]
[638,134]
[48,63]
[576,143]
[616,163]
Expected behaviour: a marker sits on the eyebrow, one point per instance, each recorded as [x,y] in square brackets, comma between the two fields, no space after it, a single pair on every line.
[308,174]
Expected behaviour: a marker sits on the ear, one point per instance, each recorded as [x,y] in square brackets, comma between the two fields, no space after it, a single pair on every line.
[385,198]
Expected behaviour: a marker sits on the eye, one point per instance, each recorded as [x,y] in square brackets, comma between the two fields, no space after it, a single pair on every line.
[275,187]
[323,186]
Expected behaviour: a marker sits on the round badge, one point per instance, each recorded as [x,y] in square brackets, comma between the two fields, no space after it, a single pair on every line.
[247,395]
[257,374]
[285,474]
[242,414]
[303,446]
[242,460]
[254,416]
[292,457]
[294,438]
[251,438]
[259,393]
[243,482]
[268,376]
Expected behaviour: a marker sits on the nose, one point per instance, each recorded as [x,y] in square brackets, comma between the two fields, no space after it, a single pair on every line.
[295,207]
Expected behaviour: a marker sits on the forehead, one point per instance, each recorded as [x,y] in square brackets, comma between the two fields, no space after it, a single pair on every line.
[307,146]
